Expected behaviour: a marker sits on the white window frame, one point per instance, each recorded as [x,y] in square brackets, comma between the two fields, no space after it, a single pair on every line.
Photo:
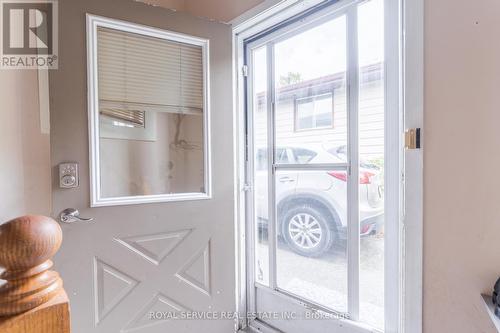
[404,78]
[96,199]
[313,99]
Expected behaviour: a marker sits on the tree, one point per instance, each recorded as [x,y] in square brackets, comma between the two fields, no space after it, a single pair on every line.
[290,78]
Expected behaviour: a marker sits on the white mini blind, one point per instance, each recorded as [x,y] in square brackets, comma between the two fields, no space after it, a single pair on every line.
[138,72]
[136,118]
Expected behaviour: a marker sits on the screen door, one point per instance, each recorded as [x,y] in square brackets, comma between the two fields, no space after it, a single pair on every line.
[316,108]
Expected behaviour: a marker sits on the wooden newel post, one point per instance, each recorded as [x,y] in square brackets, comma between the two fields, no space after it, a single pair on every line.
[33,298]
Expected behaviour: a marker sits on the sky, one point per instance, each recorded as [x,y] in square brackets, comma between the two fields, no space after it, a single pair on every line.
[321,51]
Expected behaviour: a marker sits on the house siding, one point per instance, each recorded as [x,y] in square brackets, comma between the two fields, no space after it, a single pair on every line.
[371,121]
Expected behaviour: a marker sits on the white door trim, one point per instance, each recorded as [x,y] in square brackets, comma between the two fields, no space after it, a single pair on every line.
[413,106]
[393,290]
[408,305]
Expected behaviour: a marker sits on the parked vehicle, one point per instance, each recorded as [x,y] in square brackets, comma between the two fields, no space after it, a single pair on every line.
[312,204]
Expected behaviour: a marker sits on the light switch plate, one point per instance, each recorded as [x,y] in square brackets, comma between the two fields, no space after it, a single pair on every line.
[68,175]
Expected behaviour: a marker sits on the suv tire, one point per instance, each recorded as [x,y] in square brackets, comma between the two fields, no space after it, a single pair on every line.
[306,230]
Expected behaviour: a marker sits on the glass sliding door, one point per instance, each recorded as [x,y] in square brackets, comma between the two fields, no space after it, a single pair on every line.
[315,160]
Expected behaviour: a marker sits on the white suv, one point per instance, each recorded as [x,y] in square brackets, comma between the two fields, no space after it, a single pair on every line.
[312,204]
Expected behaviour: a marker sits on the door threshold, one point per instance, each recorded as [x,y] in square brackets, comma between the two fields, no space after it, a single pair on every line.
[257,326]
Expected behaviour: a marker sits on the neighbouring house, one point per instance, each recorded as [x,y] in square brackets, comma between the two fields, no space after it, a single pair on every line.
[313,112]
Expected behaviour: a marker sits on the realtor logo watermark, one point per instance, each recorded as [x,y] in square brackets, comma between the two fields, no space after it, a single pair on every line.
[29,34]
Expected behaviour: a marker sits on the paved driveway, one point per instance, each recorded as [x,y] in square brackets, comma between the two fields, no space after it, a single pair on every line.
[324,279]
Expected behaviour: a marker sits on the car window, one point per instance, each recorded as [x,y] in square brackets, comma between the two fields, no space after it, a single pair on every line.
[282,156]
[261,159]
[341,152]
[303,156]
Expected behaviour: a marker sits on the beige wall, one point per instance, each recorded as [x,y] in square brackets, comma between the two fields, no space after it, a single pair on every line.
[24,150]
[462,159]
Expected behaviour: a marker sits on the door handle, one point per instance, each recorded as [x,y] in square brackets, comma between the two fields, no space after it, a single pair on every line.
[70,215]
[286,180]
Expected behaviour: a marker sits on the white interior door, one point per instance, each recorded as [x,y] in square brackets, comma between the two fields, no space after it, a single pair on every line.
[135,266]
[317,88]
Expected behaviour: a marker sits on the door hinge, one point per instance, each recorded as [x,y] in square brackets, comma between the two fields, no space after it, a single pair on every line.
[244,70]
[412,138]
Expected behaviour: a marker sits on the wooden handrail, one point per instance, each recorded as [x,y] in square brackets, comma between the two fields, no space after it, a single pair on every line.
[32,299]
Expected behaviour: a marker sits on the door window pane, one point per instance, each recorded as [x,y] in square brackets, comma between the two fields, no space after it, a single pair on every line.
[149,116]
[311,205]
[311,252]
[310,81]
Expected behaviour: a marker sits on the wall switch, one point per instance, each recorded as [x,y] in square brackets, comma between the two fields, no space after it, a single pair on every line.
[68,175]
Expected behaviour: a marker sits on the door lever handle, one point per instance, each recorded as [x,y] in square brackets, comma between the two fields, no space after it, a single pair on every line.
[70,215]
[286,180]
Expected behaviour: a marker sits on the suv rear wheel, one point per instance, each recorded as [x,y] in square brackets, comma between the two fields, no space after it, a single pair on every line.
[306,231]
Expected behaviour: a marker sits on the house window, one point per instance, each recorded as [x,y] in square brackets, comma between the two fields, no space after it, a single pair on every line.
[314,112]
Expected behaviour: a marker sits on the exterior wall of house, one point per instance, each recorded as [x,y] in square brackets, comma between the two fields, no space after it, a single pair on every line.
[371,123]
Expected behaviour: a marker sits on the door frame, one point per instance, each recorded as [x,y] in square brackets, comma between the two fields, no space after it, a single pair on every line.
[407,72]
[317,16]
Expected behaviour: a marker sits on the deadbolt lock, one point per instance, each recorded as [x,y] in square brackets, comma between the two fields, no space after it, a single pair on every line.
[68,175]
